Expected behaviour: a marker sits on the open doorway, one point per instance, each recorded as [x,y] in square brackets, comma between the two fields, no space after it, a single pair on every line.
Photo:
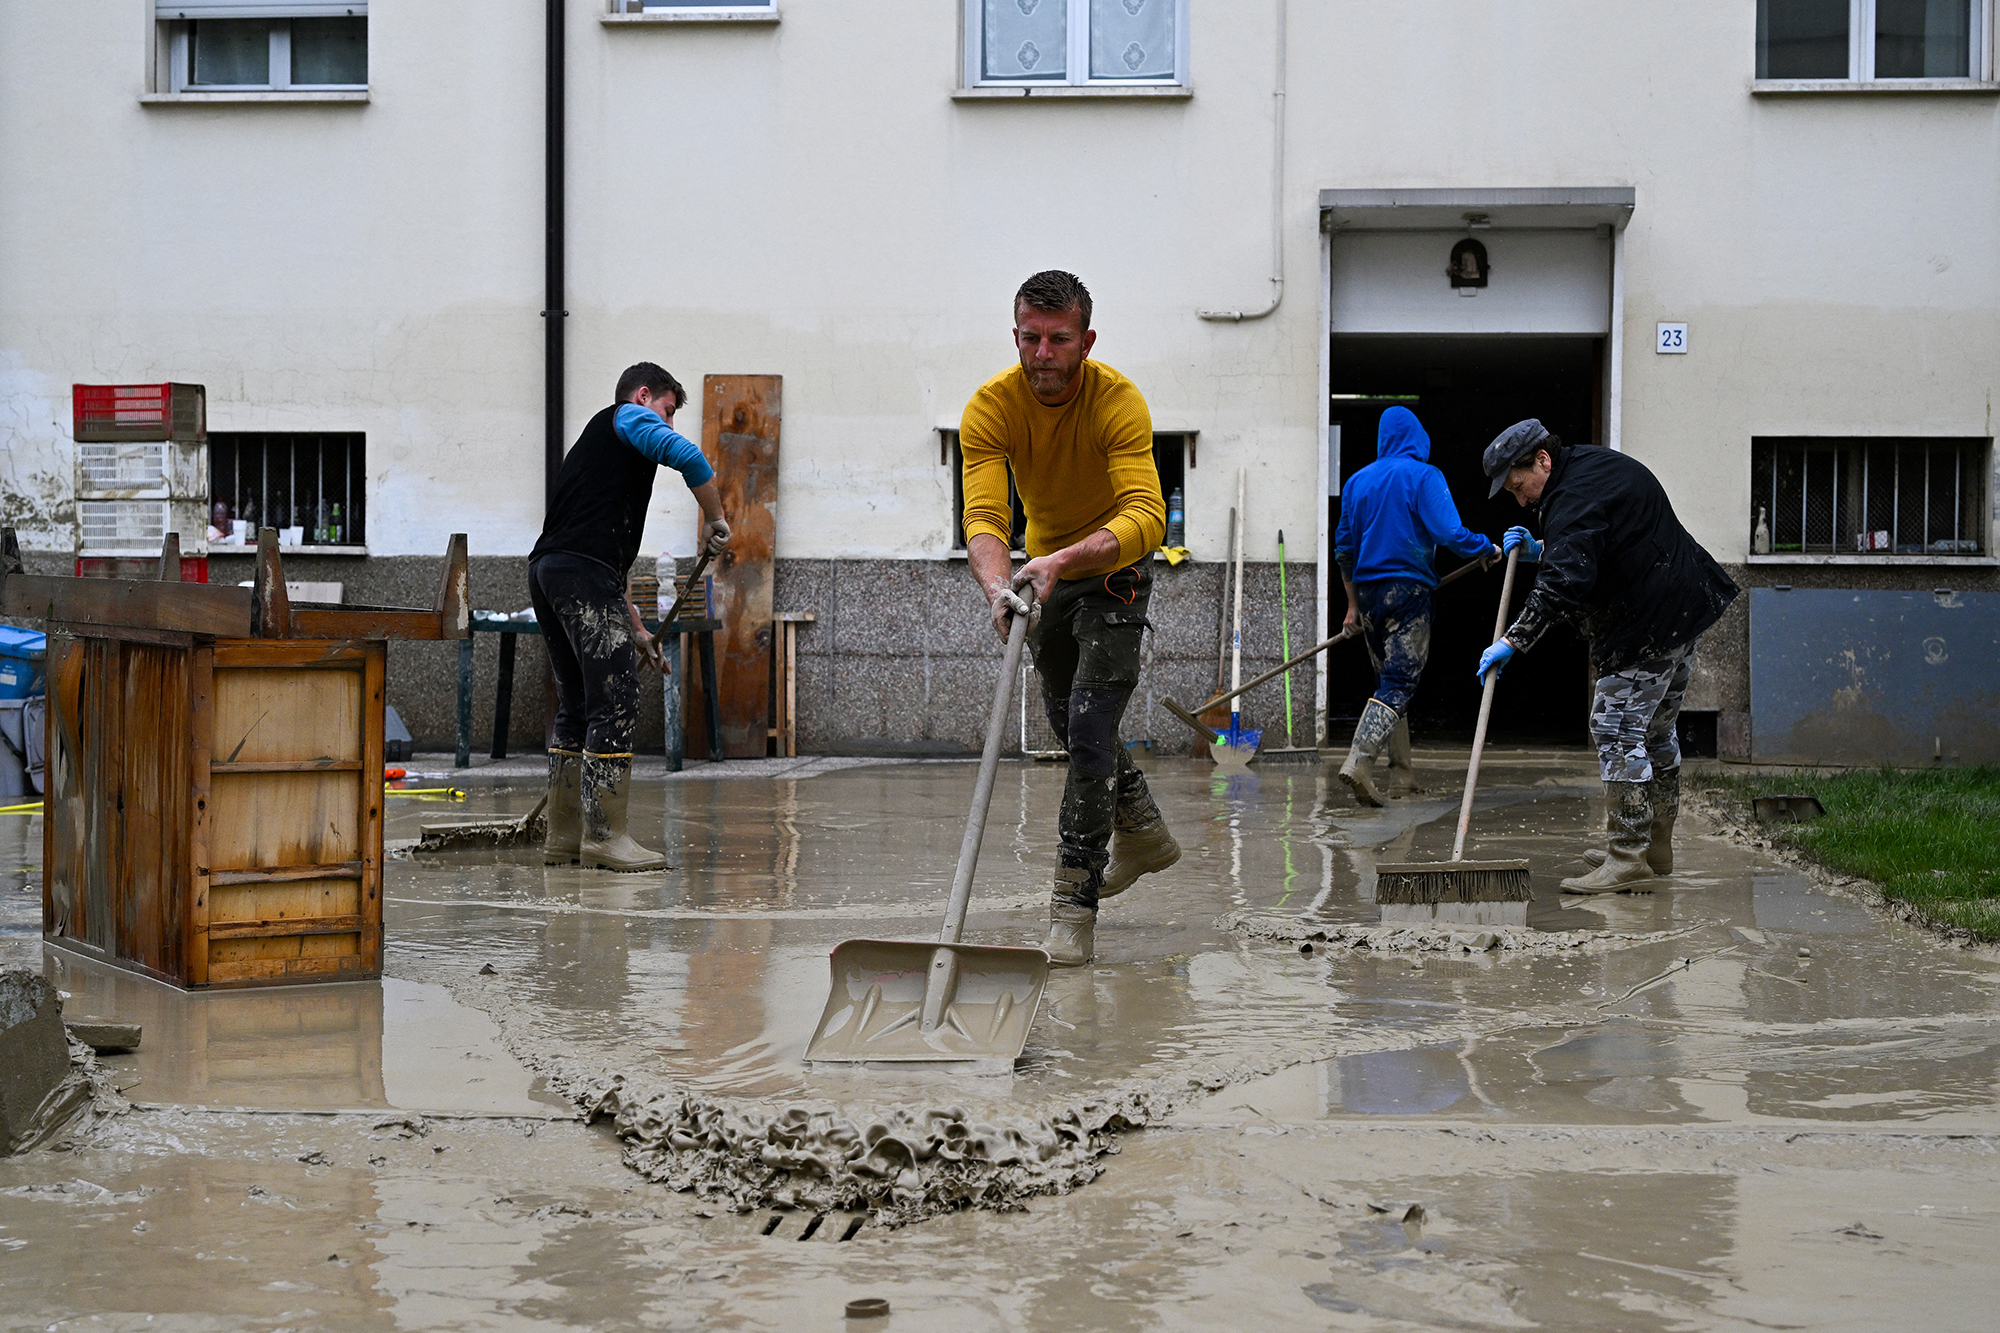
[1465,390]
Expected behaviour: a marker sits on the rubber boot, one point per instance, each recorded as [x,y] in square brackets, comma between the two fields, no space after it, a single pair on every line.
[1140,845]
[1371,733]
[1071,924]
[607,793]
[1664,791]
[1402,772]
[565,836]
[1629,816]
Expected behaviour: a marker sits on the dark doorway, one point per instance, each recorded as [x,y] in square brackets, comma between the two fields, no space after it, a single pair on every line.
[1465,391]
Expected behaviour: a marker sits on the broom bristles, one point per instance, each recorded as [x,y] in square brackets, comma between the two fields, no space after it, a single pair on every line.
[1454,882]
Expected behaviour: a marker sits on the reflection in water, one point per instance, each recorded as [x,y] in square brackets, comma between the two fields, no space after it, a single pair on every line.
[714,979]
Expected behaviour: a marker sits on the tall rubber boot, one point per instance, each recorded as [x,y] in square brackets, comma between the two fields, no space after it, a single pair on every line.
[1072,926]
[1140,844]
[1628,815]
[607,793]
[564,840]
[1402,771]
[1664,792]
[1371,733]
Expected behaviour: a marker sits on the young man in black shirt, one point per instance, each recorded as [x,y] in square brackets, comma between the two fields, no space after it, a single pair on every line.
[577,578]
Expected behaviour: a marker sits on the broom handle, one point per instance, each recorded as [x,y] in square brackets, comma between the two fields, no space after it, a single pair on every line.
[1484,562]
[1485,711]
[982,790]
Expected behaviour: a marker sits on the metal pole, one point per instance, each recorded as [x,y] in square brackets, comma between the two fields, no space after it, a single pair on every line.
[552,252]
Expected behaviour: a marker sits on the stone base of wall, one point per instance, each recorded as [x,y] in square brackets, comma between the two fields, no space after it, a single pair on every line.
[901,659]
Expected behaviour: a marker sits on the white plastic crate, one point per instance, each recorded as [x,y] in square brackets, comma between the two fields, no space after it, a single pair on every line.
[121,525]
[121,467]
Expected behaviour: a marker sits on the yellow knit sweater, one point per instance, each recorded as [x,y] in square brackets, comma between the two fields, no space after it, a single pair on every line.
[1082,466]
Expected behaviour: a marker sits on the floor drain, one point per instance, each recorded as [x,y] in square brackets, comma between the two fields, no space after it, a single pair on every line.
[812,1226]
[772,1225]
[853,1227]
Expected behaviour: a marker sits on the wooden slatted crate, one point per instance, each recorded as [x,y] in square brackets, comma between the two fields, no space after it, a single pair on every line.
[215,775]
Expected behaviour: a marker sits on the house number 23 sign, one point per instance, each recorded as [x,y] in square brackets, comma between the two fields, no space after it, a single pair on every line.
[1673,338]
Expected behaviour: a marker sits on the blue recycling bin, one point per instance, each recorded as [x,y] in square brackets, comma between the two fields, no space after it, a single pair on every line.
[23,653]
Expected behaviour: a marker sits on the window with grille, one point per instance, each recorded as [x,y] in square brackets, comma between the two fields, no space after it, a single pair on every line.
[1170,450]
[1864,41]
[1888,498]
[1065,42]
[310,485]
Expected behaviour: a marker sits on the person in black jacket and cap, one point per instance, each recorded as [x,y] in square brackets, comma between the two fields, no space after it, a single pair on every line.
[1617,564]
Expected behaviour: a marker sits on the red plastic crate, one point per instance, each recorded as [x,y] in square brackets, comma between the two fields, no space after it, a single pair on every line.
[107,413]
[194,568]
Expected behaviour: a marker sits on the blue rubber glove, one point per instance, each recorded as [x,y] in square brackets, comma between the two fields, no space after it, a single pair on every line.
[1494,658]
[1531,550]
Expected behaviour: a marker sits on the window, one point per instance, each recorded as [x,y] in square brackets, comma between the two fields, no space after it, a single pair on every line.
[1070,42]
[724,10]
[263,46]
[1866,41]
[1868,497]
[1170,453]
[312,483]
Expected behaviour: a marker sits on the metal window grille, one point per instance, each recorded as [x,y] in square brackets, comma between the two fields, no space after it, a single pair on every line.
[312,480]
[1874,496]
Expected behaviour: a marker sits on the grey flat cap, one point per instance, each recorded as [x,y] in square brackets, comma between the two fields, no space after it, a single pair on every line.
[1510,448]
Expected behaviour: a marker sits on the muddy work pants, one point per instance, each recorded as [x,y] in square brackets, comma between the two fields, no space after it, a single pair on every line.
[581,607]
[1087,653]
[1635,717]
[1395,619]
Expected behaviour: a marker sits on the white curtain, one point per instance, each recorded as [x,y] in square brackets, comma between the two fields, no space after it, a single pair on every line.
[1025,39]
[1132,39]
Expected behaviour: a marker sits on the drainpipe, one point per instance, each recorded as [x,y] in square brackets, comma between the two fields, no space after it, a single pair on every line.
[553,313]
[1277,194]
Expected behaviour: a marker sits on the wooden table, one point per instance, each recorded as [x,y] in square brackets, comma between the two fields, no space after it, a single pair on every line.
[215,769]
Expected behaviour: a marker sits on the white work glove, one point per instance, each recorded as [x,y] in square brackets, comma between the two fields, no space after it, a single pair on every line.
[1008,603]
[715,535]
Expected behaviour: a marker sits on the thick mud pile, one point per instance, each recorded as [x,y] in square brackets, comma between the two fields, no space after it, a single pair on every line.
[1433,939]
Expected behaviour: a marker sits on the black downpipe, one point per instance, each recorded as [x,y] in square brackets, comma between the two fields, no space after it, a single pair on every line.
[553,313]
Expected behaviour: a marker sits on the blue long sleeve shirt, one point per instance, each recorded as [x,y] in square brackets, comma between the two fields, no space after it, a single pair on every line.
[1397,511]
[654,438]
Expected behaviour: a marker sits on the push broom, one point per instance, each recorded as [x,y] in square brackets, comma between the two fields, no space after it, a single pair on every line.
[1458,891]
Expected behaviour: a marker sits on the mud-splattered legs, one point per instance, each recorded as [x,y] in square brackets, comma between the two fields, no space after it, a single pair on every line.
[1087,653]
[581,609]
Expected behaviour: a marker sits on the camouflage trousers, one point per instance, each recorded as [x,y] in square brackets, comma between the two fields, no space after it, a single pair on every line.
[1635,715]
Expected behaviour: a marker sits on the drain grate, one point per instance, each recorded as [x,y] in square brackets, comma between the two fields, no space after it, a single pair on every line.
[816,1227]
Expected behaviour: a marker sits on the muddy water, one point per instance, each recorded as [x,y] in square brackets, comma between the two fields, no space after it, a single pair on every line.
[1681,1130]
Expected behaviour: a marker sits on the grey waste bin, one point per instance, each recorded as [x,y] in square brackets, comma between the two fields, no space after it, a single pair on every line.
[21,738]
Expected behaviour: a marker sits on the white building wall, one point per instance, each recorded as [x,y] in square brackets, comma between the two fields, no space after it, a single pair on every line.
[807,199]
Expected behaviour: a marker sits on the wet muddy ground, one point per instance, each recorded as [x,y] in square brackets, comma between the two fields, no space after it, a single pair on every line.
[1748,1103]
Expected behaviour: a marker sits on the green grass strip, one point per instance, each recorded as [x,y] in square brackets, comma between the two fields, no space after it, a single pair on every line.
[1929,837]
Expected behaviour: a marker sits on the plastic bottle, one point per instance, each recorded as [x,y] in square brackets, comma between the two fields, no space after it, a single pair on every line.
[1176,519]
[1760,536]
[333,529]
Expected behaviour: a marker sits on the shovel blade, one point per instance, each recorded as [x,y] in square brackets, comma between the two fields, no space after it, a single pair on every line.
[876,1010]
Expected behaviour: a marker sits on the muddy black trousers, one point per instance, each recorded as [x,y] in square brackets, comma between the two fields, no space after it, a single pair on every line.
[580,605]
[1086,651]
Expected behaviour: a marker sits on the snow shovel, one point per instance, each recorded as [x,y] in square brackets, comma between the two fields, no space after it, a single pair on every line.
[970,1005]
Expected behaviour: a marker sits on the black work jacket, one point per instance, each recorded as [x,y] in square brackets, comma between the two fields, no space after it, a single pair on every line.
[602,493]
[1618,565]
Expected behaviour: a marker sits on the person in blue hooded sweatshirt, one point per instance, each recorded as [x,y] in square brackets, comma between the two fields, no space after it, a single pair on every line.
[1394,514]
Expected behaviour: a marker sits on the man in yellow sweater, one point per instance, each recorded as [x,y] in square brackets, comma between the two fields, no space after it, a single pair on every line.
[1079,440]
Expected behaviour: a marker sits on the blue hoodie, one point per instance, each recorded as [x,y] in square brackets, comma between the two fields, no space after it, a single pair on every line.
[1397,511]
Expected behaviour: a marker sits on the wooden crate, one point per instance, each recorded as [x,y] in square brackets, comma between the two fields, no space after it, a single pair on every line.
[215,799]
